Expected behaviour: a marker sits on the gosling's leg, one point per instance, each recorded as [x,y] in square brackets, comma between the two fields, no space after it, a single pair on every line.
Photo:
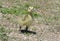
[26,28]
[20,28]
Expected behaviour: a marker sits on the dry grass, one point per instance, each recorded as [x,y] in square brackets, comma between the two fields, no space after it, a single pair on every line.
[47,28]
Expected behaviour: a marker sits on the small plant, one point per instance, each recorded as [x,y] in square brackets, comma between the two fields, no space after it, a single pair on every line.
[3,35]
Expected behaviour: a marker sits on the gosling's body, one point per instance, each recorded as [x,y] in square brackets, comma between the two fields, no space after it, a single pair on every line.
[26,21]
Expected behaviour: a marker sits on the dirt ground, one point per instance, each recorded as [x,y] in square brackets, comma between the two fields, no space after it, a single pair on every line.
[46,30]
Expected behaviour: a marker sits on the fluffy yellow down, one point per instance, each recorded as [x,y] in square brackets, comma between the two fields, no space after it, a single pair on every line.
[26,21]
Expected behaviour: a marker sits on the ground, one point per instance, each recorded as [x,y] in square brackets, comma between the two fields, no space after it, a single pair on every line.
[47,27]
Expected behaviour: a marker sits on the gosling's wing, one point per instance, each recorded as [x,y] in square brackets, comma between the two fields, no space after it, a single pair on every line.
[27,20]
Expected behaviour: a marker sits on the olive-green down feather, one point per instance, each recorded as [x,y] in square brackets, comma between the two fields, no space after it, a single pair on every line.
[26,21]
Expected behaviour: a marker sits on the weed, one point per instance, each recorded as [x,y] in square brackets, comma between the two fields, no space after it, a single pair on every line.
[3,35]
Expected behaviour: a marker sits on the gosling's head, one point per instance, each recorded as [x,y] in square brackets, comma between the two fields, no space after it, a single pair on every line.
[30,9]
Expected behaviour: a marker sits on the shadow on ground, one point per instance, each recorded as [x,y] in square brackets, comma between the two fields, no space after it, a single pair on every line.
[27,31]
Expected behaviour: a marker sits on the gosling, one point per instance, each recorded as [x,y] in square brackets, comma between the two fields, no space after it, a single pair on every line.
[27,20]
